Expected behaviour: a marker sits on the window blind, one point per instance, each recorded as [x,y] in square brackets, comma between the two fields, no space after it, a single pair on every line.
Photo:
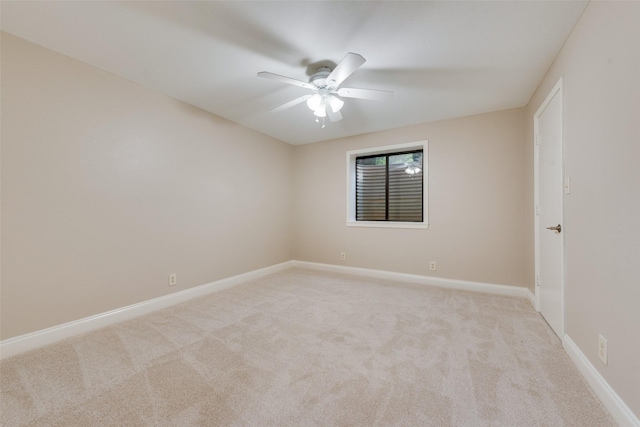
[385,191]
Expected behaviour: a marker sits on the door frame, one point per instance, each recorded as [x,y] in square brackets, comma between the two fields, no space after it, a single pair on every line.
[557,90]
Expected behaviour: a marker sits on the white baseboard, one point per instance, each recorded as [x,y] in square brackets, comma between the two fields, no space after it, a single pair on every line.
[20,344]
[609,398]
[464,285]
[13,346]
[531,297]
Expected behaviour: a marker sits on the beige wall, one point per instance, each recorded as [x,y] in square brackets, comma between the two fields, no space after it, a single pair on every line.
[476,203]
[601,67]
[107,188]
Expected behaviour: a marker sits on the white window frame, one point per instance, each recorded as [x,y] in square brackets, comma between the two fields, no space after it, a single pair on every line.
[351,185]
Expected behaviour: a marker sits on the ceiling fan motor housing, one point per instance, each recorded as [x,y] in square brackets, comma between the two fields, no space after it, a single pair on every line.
[319,78]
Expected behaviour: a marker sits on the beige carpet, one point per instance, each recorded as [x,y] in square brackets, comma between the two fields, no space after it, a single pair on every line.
[308,348]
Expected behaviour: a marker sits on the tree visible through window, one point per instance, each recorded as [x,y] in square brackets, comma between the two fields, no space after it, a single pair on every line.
[389,187]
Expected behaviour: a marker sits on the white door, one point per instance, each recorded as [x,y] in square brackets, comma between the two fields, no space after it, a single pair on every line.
[549,200]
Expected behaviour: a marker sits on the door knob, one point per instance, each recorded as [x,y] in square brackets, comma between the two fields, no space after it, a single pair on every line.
[557,228]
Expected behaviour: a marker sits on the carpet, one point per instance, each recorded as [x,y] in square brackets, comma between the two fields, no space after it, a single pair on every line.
[309,348]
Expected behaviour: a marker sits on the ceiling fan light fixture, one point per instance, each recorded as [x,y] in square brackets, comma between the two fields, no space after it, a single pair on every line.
[314,102]
[335,103]
[321,111]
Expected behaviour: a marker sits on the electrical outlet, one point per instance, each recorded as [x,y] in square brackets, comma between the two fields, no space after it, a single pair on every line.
[343,256]
[602,349]
[173,279]
[432,266]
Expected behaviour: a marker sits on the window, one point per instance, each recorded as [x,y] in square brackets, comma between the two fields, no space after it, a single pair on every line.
[387,186]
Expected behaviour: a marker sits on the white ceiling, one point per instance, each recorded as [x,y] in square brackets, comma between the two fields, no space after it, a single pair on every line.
[442,59]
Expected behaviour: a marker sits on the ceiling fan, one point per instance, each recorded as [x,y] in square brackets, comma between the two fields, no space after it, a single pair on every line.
[325,84]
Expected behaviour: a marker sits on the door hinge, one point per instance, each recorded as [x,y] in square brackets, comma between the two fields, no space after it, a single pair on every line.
[537,140]
[537,210]
[537,280]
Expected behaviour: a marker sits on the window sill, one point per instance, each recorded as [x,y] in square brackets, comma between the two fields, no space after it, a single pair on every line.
[388,224]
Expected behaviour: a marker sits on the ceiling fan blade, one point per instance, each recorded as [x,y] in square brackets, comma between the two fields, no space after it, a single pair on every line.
[291,103]
[283,79]
[373,95]
[333,116]
[349,64]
